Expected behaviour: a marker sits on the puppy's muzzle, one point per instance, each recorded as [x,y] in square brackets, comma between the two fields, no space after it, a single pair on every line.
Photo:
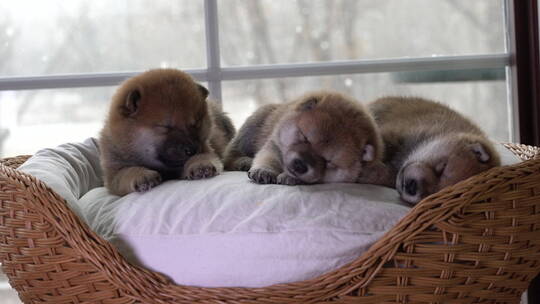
[174,154]
[299,166]
[411,190]
[411,187]
[306,167]
[413,182]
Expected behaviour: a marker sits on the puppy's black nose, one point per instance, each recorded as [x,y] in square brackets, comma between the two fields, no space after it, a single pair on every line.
[190,151]
[299,166]
[411,187]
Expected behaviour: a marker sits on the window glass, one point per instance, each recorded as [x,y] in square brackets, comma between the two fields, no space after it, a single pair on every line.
[35,119]
[283,31]
[483,98]
[77,36]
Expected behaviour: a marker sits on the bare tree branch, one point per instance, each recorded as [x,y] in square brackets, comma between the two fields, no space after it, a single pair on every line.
[262,36]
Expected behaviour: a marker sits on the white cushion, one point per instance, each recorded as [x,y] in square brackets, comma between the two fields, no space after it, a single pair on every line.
[225,231]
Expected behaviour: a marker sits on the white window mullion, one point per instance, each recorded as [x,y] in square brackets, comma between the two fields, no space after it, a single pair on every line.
[216,75]
[344,67]
[75,80]
[212,50]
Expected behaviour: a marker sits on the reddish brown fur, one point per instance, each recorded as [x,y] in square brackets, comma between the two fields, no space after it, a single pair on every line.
[337,128]
[138,146]
[428,143]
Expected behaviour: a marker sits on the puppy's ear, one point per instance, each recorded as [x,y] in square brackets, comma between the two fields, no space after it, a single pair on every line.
[132,102]
[439,168]
[369,153]
[203,90]
[481,153]
[308,104]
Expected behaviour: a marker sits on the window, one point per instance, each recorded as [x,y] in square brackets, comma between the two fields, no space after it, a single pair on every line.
[63,60]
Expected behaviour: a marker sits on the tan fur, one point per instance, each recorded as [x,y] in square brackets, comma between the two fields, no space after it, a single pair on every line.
[321,137]
[160,126]
[428,146]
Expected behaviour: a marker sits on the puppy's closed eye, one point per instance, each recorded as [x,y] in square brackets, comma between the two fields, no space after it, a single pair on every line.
[303,137]
[330,164]
[163,128]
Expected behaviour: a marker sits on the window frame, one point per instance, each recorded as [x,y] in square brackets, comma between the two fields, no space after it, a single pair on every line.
[525,67]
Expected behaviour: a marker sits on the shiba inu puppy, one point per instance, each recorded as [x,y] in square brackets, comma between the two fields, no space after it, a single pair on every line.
[160,126]
[322,137]
[428,146]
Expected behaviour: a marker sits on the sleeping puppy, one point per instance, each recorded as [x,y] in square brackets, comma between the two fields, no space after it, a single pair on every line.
[428,147]
[322,137]
[160,126]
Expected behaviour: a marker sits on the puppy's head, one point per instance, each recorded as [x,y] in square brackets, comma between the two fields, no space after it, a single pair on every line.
[327,138]
[161,117]
[443,162]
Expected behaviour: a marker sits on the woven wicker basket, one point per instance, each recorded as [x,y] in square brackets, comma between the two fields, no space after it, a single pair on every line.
[475,242]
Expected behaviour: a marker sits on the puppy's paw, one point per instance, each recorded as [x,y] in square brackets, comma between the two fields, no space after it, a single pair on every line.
[147,180]
[200,170]
[242,164]
[285,179]
[262,176]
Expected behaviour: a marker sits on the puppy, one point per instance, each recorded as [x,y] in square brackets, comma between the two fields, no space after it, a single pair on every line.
[160,126]
[428,146]
[322,137]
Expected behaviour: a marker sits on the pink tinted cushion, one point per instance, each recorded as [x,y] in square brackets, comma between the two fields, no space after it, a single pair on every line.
[227,231]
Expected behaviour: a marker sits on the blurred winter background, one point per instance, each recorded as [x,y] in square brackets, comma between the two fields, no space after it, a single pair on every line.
[78,36]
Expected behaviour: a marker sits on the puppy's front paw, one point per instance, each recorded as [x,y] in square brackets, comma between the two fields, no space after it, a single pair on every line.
[200,170]
[285,179]
[147,180]
[262,176]
[242,163]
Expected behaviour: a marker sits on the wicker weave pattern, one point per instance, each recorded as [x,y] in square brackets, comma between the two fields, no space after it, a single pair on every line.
[477,241]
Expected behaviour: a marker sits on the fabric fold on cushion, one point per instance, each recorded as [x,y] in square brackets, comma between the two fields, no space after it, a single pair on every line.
[71,170]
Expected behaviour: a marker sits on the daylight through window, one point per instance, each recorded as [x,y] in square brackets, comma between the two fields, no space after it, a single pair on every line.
[63,59]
